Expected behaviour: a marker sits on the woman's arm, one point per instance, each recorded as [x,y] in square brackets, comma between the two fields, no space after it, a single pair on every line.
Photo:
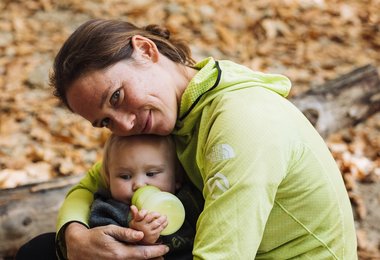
[242,160]
[76,206]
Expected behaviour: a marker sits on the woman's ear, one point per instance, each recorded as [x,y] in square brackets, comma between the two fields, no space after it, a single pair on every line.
[144,48]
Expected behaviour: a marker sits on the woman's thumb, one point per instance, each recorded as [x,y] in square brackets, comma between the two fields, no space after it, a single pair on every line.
[124,234]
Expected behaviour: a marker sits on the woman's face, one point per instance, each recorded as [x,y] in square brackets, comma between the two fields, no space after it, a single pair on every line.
[129,98]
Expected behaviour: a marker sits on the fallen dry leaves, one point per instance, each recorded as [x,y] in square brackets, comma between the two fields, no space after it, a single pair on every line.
[310,41]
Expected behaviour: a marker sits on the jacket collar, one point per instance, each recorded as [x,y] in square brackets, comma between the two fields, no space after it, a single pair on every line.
[206,79]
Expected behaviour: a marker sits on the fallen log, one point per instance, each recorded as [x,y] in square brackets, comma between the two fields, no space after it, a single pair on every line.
[30,210]
[342,102]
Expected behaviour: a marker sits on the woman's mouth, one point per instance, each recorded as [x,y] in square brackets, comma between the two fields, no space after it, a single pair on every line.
[148,123]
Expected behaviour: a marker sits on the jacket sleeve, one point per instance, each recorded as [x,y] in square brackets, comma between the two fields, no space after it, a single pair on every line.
[77,204]
[243,159]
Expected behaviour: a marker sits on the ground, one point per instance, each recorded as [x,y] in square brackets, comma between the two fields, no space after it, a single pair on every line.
[310,41]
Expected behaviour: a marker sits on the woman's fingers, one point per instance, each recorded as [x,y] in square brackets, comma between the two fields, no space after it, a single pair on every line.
[124,234]
[108,242]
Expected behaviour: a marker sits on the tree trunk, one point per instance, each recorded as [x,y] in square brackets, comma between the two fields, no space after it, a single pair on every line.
[30,210]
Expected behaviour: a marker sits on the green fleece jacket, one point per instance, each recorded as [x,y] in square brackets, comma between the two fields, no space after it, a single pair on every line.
[271,187]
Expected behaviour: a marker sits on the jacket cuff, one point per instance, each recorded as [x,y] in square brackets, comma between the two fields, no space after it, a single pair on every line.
[60,243]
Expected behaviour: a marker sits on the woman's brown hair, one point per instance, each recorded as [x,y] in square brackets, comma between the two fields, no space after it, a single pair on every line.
[98,44]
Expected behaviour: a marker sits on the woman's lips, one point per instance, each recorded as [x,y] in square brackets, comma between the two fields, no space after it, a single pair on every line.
[148,123]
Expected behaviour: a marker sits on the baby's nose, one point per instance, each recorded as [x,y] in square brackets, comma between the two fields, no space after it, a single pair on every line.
[138,184]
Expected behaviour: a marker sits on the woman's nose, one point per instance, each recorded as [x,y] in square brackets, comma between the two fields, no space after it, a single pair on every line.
[124,123]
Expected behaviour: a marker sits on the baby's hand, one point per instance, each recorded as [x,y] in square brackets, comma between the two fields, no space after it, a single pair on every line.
[151,224]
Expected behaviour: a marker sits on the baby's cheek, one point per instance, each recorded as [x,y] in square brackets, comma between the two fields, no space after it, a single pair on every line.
[121,193]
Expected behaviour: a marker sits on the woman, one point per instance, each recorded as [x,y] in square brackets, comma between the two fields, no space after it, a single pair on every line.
[271,187]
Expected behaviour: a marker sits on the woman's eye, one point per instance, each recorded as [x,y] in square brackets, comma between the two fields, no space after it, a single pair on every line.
[115,97]
[105,122]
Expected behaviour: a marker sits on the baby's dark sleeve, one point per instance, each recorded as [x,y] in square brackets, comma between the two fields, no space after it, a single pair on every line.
[105,210]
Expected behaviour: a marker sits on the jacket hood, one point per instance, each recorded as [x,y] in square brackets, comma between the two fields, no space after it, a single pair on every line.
[217,77]
[220,76]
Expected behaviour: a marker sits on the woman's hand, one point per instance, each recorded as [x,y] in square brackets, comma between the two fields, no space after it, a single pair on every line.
[105,243]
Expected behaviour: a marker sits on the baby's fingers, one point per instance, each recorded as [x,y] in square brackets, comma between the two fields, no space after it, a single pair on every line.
[152,216]
[138,215]
[159,223]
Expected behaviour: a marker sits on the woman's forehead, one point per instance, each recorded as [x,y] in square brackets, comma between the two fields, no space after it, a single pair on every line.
[87,93]
[98,80]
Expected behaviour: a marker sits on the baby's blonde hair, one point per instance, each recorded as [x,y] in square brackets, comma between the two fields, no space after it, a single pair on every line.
[115,140]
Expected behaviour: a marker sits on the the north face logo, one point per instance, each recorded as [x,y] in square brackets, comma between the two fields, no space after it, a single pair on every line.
[217,185]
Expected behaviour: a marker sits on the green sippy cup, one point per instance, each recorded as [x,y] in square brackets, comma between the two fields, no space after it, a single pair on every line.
[153,199]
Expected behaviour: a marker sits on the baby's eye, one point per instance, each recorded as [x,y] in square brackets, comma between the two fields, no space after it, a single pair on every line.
[105,122]
[115,97]
[126,177]
[152,173]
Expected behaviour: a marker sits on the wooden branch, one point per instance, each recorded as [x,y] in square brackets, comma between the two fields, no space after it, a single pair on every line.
[31,210]
[342,102]
[27,211]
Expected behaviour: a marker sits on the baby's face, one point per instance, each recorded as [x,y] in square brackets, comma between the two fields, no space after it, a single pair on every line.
[140,163]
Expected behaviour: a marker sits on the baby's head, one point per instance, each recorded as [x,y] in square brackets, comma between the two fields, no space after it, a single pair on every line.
[130,162]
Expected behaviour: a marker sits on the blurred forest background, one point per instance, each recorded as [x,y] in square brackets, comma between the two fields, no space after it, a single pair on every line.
[310,41]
